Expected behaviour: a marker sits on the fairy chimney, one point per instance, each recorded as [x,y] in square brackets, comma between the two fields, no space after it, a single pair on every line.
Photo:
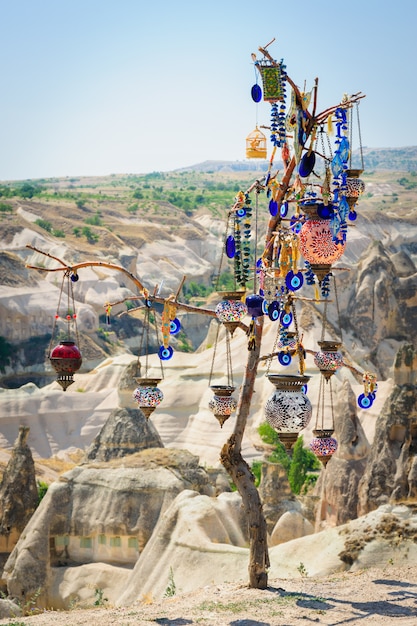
[18,493]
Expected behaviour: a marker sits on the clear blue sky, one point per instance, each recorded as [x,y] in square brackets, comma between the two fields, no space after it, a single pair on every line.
[93,87]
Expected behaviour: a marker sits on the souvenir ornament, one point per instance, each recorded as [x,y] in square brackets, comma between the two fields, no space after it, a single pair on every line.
[288,410]
[328,359]
[148,395]
[323,445]
[366,399]
[231,310]
[66,359]
[222,403]
[256,145]
[254,305]
[317,244]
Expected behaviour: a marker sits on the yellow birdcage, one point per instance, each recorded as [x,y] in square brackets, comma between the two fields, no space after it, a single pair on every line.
[256,145]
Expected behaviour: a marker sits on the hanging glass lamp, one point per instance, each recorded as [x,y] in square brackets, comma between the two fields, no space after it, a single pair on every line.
[222,404]
[288,410]
[317,244]
[66,359]
[148,395]
[328,359]
[231,310]
[323,445]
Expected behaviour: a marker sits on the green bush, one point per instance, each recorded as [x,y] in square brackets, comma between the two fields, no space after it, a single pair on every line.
[5,207]
[299,466]
[42,489]
[5,353]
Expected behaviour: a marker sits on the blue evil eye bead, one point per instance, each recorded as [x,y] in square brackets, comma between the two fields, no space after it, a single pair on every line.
[352,216]
[174,326]
[241,212]
[254,302]
[284,358]
[307,164]
[165,353]
[304,389]
[230,247]
[295,224]
[264,304]
[74,277]
[273,311]
[148,304]
[365,402]
[325,211]
[256,93]
[294,281]
[283,210]
[273,208]
[285,319]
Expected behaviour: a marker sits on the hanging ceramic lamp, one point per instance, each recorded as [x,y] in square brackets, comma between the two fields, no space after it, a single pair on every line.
[148,395]
[288,410]
[66,359]
[355,187]
[328,359]
[317,244]
[231,310]
[323,445]
[222,404]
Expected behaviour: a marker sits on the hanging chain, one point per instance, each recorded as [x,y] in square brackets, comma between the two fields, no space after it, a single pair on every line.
[274,349]
[214,353]
[359,134]
[323,327]
[331,402]
[223,250]
[337,309]
[256,236]
[320,405]
[74,315]
[300,350]
[229,360]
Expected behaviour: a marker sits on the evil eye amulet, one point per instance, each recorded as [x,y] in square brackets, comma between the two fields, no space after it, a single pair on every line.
[294,281]
[365,402]
[165,353]
[174,326]
[286,319]
[284,358]
[273,311]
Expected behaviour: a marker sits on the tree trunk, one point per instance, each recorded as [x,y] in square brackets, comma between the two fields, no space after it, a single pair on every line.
[239,470]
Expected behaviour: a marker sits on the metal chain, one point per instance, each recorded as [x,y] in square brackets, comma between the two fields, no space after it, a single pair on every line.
[214,353]
[337,308]
[299,347]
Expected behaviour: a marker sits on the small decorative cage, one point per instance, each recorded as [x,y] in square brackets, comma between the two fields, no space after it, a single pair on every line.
[256,145]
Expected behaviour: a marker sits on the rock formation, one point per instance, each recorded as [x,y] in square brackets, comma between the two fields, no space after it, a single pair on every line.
[100,513]
[391,472]
[126,431]
[18,493]
[338,482]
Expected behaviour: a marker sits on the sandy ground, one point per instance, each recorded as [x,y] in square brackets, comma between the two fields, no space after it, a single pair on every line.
[373,596]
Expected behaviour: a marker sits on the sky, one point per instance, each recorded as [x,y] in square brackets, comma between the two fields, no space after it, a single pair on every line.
[98,87]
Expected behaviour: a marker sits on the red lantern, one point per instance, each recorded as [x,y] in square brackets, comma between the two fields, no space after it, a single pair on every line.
[66,359]
[317,244]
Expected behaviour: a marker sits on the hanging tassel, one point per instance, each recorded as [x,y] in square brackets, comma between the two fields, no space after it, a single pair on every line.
[251,335]
[330,125]
[108,311]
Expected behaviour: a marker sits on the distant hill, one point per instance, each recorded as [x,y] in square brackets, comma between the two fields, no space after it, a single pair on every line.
[387,159]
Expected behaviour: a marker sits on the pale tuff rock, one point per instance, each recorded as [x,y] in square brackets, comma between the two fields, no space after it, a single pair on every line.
[126,431]
[18,493]
[338,483]
[99,513]
[390,474]
[291,525]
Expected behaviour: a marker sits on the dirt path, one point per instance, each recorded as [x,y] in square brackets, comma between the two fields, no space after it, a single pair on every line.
[374,596]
